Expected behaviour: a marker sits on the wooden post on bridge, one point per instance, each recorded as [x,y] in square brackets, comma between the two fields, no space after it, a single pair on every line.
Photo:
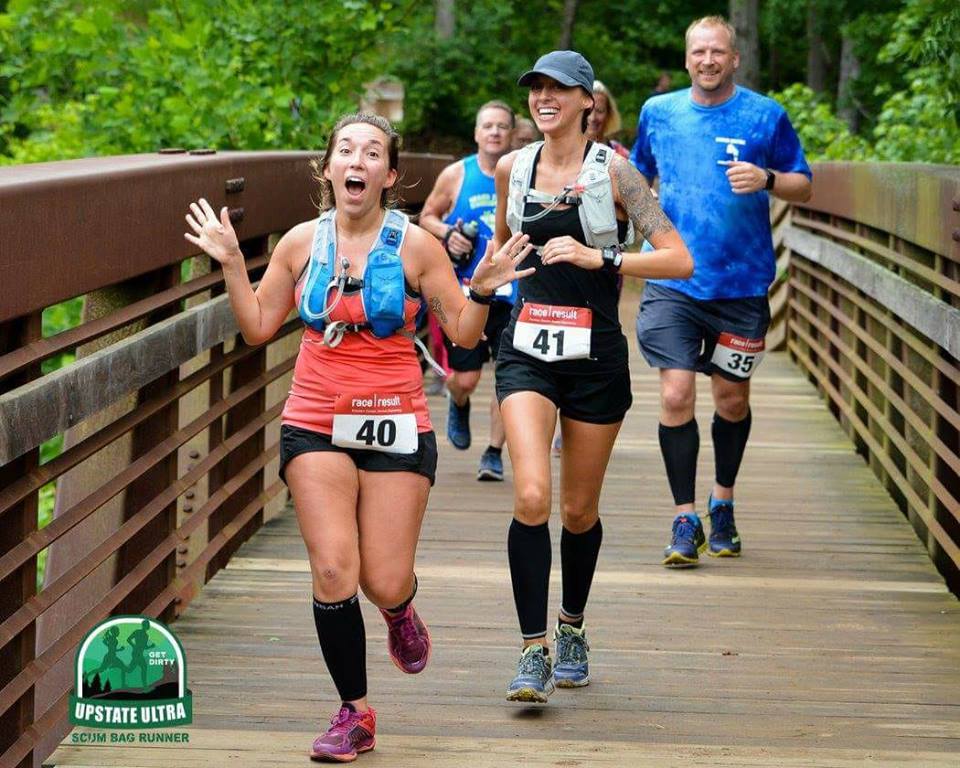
[15,525]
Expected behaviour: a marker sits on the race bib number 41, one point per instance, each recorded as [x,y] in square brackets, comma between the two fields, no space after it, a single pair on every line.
[737,355]
[375,423]
[551,333]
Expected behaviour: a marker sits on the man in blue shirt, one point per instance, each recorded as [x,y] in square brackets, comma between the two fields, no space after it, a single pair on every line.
[460,212]
[719,150]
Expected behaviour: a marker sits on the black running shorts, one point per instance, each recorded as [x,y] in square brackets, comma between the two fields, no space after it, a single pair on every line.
[463,359]
[296,440]
[595,398]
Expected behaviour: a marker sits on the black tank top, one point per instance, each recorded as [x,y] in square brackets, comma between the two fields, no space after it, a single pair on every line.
[572,286]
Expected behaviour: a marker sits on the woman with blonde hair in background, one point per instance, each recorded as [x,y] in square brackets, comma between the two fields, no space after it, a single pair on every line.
[604,121]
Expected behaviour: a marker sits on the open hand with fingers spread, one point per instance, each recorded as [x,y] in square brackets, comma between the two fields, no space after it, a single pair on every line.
[215,236]
[500,268]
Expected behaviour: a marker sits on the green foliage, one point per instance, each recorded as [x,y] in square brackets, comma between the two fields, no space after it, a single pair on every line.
[914,125]
[926,34]
[823,135]
[910,87]
[60,317]
[495,41]
[112,77]
[919,124]
[117,76]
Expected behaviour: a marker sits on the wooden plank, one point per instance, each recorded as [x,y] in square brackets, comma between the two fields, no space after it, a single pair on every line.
[281,748]
[831,642]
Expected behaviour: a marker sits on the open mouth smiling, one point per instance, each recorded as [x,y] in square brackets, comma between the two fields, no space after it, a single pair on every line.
[355,185]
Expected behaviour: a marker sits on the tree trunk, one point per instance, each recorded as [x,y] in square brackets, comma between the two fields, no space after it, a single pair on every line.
[445,16]
[816,56]
[569,18]
[847,108]
[743,16]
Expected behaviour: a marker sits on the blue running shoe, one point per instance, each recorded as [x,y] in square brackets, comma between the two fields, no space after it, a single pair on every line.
[724,539]
[458,425]
[491,466]
[571,669]
[534,680]
[686,543]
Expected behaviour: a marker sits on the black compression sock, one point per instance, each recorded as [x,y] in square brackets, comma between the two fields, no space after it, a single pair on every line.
[729,443]
[529,552]
[343,642]
[680,446]
[578,559]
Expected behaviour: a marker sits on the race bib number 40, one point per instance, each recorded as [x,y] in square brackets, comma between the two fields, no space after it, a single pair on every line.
[551,333]
[737,355]
[375,422]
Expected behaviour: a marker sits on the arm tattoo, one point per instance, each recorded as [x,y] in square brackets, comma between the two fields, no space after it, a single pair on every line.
[641,206]
[437,308]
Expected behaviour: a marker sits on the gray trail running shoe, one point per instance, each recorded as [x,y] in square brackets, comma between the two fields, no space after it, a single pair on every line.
[571,669]
[534,680]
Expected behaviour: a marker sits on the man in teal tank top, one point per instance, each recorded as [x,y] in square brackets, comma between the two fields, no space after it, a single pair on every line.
[460,212]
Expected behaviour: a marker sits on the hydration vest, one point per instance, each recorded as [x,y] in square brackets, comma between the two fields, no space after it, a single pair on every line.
[383,282]
[592,192]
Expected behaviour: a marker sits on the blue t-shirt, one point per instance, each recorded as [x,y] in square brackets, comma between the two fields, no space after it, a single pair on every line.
[477,202]
[728,235]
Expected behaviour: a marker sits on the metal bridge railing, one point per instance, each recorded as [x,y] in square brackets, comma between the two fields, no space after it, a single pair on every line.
[170,423]
[869,307]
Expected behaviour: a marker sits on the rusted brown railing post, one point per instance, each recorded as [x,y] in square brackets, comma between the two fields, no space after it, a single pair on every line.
[240,374]
[15,524]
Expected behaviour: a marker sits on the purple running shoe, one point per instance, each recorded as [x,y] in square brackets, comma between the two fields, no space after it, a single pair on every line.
[407,640]
[350,733]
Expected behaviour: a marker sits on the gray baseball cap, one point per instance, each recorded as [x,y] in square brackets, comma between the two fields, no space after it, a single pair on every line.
[566,67]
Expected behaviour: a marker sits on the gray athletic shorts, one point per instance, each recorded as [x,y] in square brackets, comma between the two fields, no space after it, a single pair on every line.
[677,331]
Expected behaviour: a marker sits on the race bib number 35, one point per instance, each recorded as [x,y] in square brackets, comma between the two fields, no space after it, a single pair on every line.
[375,422]
[551,333]
[737,355]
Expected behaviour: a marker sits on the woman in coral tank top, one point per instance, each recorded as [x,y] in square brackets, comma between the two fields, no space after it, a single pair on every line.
[357,450]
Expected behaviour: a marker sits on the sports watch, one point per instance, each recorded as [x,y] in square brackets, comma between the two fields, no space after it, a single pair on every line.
[771,180]
[612,257]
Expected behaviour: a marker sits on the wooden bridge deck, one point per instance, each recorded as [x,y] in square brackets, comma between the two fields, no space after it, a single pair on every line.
[832,642]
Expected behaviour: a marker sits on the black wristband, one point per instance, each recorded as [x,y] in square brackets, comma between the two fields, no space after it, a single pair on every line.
[771,180]
[479,298]
[612,256]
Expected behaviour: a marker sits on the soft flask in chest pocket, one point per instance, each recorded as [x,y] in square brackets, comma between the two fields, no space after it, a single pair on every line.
[597,202]
[383,284]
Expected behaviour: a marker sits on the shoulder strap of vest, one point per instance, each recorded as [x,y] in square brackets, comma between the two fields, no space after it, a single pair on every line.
[320,270]
[520,176]
[393,230]
[596,165]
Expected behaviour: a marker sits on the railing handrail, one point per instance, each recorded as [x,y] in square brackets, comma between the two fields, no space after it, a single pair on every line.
[907,200]
[66,227]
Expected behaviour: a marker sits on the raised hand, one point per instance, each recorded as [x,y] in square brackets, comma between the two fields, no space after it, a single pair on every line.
[500,268]
[215,236]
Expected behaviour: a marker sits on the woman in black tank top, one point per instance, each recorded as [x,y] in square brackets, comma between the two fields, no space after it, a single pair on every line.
[564,353]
